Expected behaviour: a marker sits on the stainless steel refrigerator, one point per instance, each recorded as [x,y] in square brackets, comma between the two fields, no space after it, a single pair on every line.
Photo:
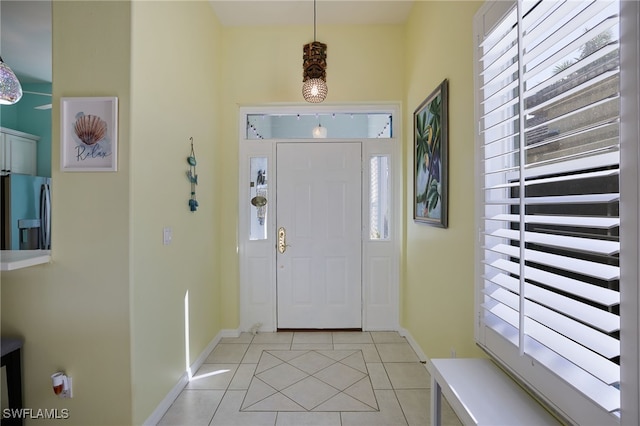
[25,212]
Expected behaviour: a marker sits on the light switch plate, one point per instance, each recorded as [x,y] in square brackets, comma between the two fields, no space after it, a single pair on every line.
[167,235]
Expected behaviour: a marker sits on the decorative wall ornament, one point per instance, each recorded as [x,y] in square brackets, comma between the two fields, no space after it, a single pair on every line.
[193,178]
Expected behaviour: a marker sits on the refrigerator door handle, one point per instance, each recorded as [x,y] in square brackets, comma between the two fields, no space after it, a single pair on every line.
[45,217]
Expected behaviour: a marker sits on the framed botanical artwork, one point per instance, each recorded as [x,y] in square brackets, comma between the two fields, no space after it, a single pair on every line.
[89,134]
[430,134]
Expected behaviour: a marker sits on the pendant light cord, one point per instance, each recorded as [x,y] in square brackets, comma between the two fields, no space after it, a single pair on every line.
[314,20]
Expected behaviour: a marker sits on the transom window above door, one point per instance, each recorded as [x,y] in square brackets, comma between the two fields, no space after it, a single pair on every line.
[335,125]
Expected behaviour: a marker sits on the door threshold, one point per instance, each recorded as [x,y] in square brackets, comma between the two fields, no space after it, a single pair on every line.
[317,329]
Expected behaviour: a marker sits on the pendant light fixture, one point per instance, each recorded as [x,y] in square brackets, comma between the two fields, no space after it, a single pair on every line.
[314,66]
[319,132]
[10,88]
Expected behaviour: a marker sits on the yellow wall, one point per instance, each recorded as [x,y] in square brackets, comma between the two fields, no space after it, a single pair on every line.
[175,74]
[74,313]
[437,292]
[110,309]
[264,65]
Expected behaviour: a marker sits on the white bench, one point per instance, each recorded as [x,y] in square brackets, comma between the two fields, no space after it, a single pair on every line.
[480,393]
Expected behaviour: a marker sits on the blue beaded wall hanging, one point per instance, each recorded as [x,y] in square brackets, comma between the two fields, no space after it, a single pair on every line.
[193,178]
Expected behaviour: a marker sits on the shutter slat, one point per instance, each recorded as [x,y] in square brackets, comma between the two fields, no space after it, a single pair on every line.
[599,366]
[603,247]
[532,17]
[589,109]
[496,97]
[493,144]
[601,295]
[604,395]
[509,120]
[502,66]
[595,340]
[568,37]
[500,32]
[591,175]
[579,88]
[606,159]
[584,267]
[577,221]
[563,31]
[602,126]
[563,53]
[506,281]
[580,155]
[566,199]
[505,157]
[598,318]
[496,114]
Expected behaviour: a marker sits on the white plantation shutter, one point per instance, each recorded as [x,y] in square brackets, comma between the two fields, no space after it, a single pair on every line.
[549,157]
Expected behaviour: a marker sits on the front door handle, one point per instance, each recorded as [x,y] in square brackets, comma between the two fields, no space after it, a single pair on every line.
[282,240]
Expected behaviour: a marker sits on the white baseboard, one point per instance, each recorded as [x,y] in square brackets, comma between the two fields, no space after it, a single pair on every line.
[164,405]
[414,345]
[173,394]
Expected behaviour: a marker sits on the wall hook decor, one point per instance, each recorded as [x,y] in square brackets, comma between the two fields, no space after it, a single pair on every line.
[193,178]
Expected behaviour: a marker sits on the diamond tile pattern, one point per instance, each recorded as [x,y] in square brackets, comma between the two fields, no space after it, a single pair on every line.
[281,377]
[311,380]
[297,378]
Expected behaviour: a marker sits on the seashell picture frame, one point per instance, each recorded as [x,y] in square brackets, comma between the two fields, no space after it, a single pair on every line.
[89,134]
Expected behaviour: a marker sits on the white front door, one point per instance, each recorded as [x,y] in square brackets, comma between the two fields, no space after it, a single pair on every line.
[319,282]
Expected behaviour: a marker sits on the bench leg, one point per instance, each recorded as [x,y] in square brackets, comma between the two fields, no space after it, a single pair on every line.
[14,385]
[436,407]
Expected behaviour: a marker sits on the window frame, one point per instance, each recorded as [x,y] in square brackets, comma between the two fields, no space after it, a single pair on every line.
[554,392]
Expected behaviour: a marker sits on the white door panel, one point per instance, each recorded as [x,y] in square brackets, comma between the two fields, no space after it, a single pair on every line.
[319,204]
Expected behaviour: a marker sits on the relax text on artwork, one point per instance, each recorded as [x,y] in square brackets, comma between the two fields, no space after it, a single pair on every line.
[84,152]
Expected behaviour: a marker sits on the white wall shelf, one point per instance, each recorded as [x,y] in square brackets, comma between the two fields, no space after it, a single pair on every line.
[17,259]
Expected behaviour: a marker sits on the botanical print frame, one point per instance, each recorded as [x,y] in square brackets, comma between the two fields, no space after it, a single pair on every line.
[89,134]
[430,130]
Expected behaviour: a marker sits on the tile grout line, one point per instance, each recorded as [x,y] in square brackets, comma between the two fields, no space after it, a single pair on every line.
[230,381]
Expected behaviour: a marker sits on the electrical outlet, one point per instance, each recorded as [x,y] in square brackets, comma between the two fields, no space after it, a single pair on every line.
[62,385]
[68,392]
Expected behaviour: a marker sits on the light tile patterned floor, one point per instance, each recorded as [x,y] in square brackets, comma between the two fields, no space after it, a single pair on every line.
[311,380]
[308,378]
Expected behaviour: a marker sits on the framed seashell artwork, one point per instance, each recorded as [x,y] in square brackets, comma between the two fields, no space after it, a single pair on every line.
[89,134]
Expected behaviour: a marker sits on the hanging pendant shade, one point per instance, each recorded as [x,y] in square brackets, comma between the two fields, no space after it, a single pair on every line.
[314,90]
[10,88]
[319,132]
[314,68]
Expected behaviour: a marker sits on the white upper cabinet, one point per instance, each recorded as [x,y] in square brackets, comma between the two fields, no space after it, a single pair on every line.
[18,152]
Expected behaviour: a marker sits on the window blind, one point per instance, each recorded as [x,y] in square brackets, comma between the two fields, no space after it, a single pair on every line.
[549,115]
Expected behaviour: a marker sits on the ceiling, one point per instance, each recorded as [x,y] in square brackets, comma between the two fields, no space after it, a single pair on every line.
[300,12]
[25,39]
[25,26]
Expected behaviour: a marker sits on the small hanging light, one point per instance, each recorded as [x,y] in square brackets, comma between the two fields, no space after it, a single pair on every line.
[319,132]
[10,88]
[314,66]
